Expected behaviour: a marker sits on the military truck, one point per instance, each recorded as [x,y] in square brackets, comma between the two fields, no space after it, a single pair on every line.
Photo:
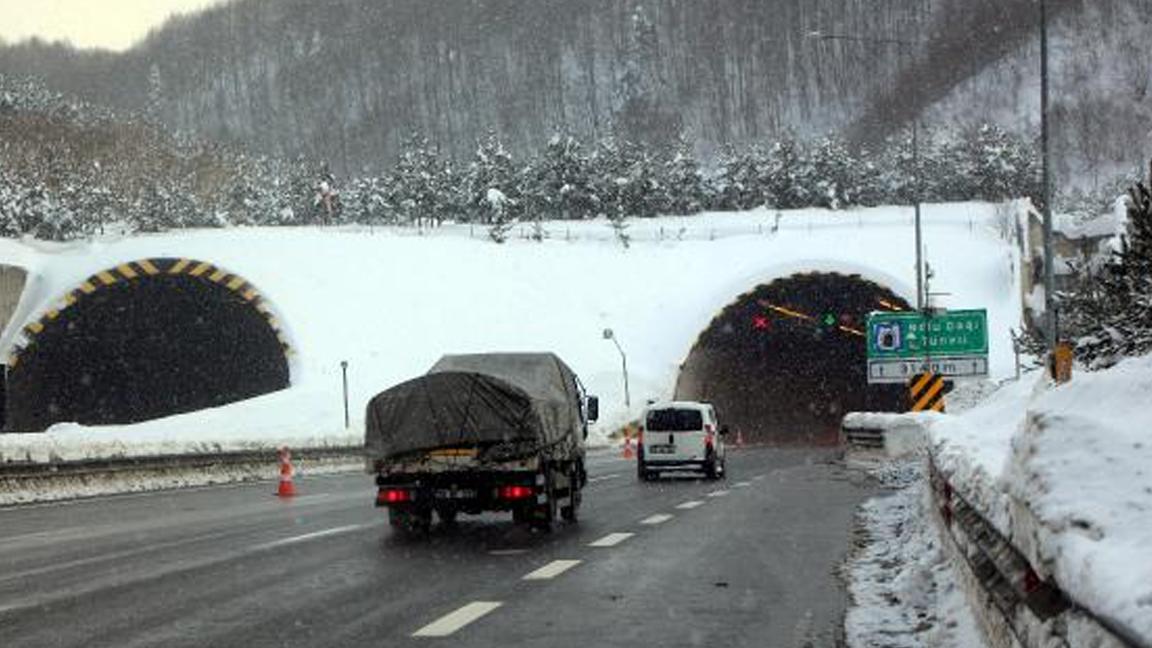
[481,432]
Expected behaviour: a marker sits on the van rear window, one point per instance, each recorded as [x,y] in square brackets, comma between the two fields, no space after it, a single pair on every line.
[674,420]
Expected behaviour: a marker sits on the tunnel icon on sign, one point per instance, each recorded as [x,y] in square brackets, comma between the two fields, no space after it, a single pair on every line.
[887,337]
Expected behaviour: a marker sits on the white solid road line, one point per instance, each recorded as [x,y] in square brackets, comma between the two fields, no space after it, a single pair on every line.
[718,493]
[507,552]
[659,518]
[611,540]
[453,621]
[309,536]
[552,569]
[691,504]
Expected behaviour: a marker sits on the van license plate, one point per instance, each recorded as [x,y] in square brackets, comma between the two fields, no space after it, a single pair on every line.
[662,449]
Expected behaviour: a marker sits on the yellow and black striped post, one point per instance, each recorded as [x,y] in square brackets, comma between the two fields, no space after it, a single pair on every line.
[926,392]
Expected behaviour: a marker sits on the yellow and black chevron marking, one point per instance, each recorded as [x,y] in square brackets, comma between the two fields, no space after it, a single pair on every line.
[134,271]
[926,392]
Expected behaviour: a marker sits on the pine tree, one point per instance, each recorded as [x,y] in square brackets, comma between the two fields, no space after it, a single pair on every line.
[1110,311]
[685,190]
[492,168]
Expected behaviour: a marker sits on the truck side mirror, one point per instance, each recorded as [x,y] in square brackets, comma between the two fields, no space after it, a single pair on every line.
[724,430]
[593,409]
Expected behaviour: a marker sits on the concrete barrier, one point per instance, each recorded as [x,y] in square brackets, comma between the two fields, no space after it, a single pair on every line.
[893,435]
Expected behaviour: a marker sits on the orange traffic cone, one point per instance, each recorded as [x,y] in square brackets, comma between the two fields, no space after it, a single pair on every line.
[629,453]
[287,486]
[739,438]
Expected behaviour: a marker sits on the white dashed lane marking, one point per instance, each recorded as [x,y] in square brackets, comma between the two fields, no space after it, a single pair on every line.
[552,569]
[690,505]
[659,518]
[599,478]
[611,540]
[759,477]
[743,484]
[453,621]
[507,552]
[718,493]
[309,536]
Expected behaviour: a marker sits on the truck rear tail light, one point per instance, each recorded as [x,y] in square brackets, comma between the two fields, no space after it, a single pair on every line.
[640,435]
[516,492]
[393,495]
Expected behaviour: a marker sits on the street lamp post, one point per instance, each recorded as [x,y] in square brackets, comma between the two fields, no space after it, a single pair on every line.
[918,190]
[1050,333]
[609,335]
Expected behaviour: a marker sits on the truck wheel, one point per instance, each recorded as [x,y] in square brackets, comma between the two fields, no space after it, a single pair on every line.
[544,515]
[410,523]
[569,511]
[447,515]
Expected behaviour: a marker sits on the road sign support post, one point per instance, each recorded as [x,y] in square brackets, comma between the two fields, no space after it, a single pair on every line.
[344,371]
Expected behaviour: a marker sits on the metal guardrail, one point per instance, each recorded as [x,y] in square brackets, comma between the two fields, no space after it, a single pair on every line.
[20,470]
[1003,570]
[869,438]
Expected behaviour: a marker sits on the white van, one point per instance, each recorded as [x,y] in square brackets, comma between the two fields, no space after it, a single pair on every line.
[681,435]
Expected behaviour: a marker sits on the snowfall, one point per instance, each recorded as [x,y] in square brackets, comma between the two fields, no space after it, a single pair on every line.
[391,301]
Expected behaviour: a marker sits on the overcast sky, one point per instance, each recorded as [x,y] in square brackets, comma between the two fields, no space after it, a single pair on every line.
[110,24]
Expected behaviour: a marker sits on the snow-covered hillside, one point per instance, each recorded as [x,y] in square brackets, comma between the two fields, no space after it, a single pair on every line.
[390,302]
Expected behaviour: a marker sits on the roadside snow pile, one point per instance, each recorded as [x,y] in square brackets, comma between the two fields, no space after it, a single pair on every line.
[904,592]
[1066,472]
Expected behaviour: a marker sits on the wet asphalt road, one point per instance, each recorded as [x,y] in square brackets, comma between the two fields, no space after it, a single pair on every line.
[752,563]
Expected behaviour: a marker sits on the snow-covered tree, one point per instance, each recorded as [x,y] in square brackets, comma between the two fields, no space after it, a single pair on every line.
[685,189]
[1109,312]
[491,168]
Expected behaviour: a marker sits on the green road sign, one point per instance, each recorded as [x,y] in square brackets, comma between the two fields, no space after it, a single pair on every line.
[950,343]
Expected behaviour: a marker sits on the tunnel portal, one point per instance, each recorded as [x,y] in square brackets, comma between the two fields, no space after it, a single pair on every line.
[142,341]
[785,361]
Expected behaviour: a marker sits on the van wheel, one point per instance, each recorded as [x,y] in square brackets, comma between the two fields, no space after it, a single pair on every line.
[642,472]
[710,466]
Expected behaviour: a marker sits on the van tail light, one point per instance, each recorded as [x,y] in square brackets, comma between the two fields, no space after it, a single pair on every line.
[640,435]
[393,496]
[709,435]
[516,492]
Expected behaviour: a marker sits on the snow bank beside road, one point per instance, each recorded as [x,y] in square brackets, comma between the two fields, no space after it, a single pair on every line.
[1066,472]
[904,592]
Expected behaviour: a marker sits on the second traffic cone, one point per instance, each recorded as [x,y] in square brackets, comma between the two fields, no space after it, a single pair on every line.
[628,452]
[287,487]
[739,438]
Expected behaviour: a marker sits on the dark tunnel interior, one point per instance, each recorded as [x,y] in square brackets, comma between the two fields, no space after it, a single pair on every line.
[785,361]
[144,349]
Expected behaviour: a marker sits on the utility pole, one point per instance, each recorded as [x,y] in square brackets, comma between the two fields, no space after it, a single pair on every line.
[1050,332]
[904,47]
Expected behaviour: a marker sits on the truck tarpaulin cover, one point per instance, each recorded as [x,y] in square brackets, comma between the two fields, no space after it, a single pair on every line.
[477,400]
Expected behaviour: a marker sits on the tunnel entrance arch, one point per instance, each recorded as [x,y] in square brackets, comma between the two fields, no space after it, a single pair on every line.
[145,340]
[786,360]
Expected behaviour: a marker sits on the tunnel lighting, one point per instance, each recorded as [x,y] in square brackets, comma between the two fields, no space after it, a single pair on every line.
[787,312]
[828,319]
[889,305]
